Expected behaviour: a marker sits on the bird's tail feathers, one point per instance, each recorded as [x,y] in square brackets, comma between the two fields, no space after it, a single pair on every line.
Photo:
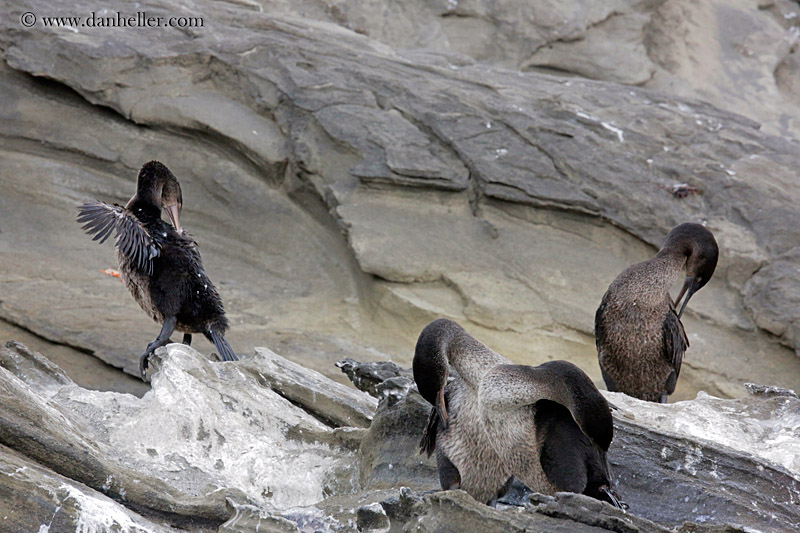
[224,349]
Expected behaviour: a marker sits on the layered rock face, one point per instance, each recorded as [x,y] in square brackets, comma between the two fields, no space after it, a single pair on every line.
[351,171]
[740,55]
[345,191]
[264,444]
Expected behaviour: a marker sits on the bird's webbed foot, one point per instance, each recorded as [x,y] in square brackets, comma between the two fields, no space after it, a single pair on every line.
[161,340]
[613,498]
[144,361]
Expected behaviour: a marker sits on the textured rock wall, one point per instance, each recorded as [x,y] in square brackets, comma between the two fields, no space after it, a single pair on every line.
[345,191]
[264,444]
[740,55]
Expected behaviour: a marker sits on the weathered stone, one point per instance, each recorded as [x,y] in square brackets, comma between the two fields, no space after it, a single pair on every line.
[332,402]
[590,512]
[222,451]
[455,511]
[403,506]
[246,518]
[206,431]
[33,498]
[366,375]
[380,189]
[701,460]
[37,423]
[346,188]
[389,454]
[372,517]
[768,391]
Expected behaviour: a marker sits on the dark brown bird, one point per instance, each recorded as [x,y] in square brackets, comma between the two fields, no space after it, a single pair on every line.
[160,263]
[548,426]
[640,338]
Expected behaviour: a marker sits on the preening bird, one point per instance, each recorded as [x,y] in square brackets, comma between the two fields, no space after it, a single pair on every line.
[159,262]
[639,335]
[548,425]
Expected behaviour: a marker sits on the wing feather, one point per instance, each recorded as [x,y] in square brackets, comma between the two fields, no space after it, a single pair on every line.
[675,341]
[132,238]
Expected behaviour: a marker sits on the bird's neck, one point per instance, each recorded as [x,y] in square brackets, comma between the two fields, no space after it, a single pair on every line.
[144,211]
[670,265]
[470,357]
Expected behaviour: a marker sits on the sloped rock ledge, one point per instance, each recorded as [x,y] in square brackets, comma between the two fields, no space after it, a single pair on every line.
[220,447]
[394,186]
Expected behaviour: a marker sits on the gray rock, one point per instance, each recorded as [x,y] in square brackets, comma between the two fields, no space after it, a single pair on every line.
[403,505]
[766,390]
[334,403]
[389,453]
[204,433]
[590,512]
[246,518]
[34,498]
[723,423]
[696,51]
[455,511]
[345,193]
[366,375]
[44,422]
[687,481]
[725,463]
[213,447]
[372,517]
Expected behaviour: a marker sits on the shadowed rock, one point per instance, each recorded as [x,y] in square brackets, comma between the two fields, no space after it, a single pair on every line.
[376,189]
[212,447]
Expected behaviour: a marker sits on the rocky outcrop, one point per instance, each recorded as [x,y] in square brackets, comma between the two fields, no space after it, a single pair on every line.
[345,192]
[219,447]
[352,171]
[737,54]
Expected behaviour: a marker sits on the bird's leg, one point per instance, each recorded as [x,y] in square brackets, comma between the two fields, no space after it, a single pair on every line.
[187,339]
[161,340]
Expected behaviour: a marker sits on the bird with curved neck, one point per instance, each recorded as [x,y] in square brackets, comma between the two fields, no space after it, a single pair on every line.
[548,426]
[160,263]
[639,335]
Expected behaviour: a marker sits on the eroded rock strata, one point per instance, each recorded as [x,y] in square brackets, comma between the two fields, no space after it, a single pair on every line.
[348,189]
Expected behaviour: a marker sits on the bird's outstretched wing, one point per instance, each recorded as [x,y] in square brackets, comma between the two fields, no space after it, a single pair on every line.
[133,239]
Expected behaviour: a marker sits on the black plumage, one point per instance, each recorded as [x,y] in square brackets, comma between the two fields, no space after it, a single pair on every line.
[160,262]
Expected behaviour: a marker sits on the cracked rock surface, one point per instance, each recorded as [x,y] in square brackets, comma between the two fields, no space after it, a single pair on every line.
[351,171]
[219,447]
[346,189]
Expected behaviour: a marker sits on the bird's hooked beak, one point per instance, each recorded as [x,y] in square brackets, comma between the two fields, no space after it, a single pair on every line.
[441,408]
[690,286]
[174,214]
